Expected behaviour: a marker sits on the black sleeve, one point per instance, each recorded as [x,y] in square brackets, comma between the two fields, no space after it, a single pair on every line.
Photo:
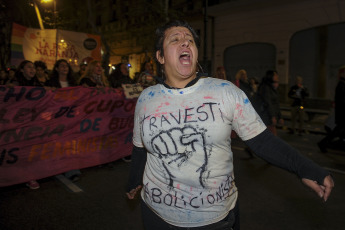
[277,152]
[137,168]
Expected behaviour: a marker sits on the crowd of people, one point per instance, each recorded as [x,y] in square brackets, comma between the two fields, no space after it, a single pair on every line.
[264,96]
[90,74]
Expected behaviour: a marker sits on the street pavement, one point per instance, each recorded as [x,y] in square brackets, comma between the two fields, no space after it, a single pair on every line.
[270,198]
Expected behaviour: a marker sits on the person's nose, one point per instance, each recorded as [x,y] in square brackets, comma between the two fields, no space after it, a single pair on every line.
[185,42]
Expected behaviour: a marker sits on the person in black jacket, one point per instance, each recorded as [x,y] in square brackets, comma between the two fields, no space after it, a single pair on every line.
[298,93]
[339,112]
[268,91]
[120,76]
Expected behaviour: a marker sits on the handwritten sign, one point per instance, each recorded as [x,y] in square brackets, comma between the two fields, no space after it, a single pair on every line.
[44,133]
[132,90]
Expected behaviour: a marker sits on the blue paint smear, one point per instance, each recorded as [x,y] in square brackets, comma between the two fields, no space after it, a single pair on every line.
[181,92]
[163,91]
[224,84]
[151,94]
[246,101]
[169,91]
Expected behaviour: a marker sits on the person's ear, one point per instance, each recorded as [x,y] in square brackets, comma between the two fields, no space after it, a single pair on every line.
[159,57]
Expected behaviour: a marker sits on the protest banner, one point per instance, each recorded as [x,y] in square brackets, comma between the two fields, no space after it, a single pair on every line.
[50,45]
[45,133]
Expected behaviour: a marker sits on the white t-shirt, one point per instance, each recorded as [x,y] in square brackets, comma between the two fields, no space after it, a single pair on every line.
[188,179]
[64,84]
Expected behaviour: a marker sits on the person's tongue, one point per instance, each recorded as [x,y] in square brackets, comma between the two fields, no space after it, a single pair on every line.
[185,59]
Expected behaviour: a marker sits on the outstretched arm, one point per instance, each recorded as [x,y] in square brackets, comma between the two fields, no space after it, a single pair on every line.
[279,153]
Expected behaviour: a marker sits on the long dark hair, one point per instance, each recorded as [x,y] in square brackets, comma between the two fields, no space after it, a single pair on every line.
[19,73]
[54,77]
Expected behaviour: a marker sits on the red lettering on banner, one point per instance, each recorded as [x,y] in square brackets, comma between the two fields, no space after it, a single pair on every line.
[69,53]
[58,149]
[38,51]
[46,45]
[66,95]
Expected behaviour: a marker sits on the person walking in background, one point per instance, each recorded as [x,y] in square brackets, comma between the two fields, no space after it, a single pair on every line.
[339,113]
[146,77]
[243,83]
[220,73]
[182,153]
[26,76]
[120,76]
[241,74]
[61,77]
[253,82]
[298,93]
[94,76]
[41,69]
[268,91]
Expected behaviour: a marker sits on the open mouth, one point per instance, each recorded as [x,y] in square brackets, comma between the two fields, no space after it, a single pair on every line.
[185,58]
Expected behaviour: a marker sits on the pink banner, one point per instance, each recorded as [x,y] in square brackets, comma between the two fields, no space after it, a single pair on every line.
[44,132]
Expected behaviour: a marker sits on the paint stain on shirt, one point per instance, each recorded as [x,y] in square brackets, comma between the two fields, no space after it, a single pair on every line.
[152,94]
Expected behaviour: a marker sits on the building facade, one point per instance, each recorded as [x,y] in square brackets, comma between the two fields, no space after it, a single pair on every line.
[295,37]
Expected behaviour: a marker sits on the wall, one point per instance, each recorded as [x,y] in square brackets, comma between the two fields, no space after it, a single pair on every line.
[273,22]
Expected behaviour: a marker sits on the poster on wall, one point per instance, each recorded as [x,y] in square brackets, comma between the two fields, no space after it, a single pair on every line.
[49,45]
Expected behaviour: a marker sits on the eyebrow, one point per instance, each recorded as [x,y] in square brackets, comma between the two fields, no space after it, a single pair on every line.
[178,33]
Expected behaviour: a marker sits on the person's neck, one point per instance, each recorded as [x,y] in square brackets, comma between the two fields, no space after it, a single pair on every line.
[179,84]
[62,77]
